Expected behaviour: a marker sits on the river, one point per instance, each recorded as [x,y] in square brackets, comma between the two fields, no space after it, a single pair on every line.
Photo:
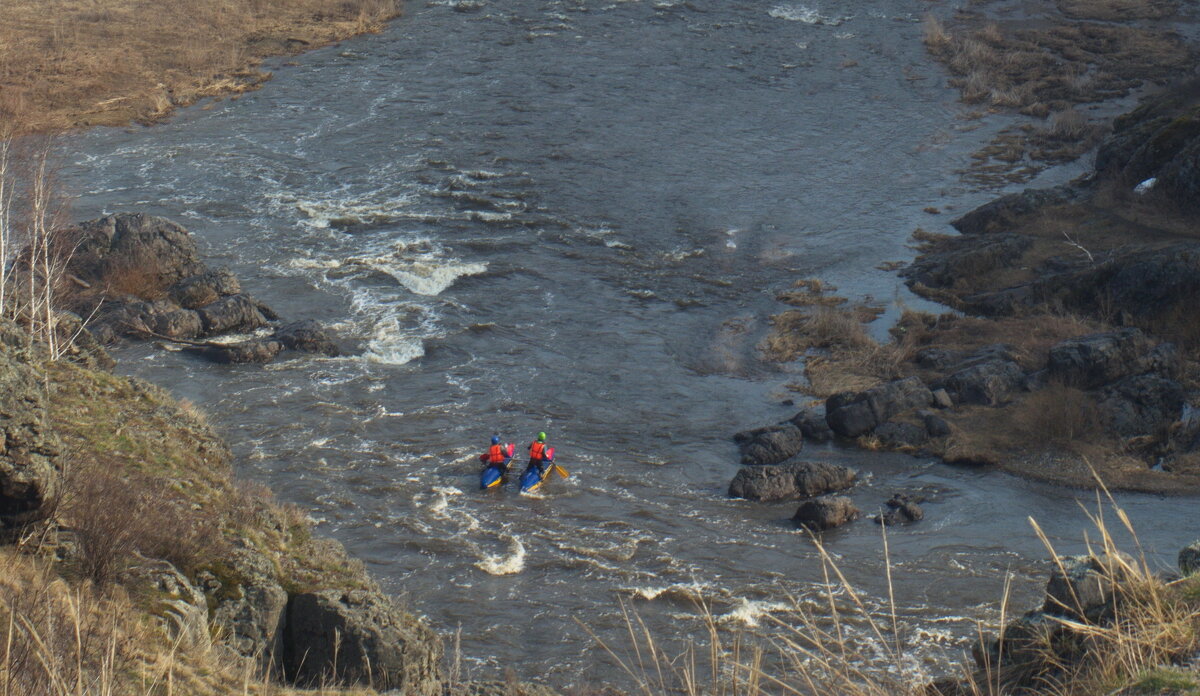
[574,216]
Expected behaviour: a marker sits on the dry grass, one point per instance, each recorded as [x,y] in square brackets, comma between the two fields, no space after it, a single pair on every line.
[1058,415]
[1043,69]
[74,63]
[832,642]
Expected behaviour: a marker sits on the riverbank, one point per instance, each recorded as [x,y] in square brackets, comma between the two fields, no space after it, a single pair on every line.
[1075,352]
[70,64]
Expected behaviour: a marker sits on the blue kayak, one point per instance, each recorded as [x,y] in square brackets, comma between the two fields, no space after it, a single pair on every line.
[533,478]
[493,474]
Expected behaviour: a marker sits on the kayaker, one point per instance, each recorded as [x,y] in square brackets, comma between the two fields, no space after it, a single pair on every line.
[495,455]
[537,454]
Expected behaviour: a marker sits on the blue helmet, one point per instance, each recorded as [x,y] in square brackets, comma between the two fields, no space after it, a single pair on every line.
[495,439]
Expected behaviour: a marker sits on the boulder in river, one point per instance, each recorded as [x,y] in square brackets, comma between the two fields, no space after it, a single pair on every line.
[1087,587]
[769,445]
[900,509]
[790,481]
[813,425]
[826,512]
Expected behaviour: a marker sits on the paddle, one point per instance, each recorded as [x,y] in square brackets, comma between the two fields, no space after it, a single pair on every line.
[557,469]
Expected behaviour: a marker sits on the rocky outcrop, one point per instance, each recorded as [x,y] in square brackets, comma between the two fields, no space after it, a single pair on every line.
[29,477]
[989,383]
[359,637]
[1141,405]
[248,604]
[826,512]
[1098,359]
[1189,559]
[851,414]
[813,425]
[1001,214]
[769,445]
[173,601]
[140,276]
[1083,587]
[790,481]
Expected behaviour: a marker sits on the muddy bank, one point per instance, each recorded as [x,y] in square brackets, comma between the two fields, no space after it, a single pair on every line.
[1076,347]
[73,65]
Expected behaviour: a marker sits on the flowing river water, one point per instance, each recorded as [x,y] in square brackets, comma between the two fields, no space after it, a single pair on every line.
[573,216]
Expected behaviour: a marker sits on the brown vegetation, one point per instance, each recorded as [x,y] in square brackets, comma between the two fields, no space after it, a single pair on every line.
[1091,54]
[75,63]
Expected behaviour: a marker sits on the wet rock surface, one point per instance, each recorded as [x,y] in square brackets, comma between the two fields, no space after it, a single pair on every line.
[826,512]
[901,509]
[141,276]
[790,481]
[769,445]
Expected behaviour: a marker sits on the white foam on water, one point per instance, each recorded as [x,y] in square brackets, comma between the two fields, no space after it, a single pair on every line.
[805,14]
[321,213]
[509,564]
[389,345]
[691,590]
[748,612]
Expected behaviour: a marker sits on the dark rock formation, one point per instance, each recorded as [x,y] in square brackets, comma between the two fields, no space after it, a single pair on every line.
[790,481]
[1189,559]
[307,336]
[140,276]
[990,383]
[359,637]
[204,289]
[813,425]
[28,449]
[900,435]
[130,251]
[1083,587]
[769,445]
[851,414]
[826,512]
[935,425]
[1141,405]
[248,604]
[240,353]
[1000,214]
[900,509]
[1098,359]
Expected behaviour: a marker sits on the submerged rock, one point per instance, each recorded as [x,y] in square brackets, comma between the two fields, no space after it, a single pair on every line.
[790,481]
[900,509]
[308,336]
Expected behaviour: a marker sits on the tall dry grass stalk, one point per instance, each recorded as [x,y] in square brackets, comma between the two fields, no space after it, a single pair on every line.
[820,652]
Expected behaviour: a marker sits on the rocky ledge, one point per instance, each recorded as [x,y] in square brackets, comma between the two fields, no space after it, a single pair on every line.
[112,482]
[1074,353]
[139,276]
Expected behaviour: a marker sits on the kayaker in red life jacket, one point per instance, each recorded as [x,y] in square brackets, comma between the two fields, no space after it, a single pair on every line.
[495,455]
[537,454]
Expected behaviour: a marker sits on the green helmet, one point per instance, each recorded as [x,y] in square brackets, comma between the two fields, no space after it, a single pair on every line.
[541,437]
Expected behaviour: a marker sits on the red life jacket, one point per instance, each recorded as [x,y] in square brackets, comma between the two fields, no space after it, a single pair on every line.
[536,450]
[495,454]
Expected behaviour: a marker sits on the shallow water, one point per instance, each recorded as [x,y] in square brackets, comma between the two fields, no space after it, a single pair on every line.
[573,216]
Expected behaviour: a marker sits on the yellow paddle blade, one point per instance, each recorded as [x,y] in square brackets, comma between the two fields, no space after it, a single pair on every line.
[561,471]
